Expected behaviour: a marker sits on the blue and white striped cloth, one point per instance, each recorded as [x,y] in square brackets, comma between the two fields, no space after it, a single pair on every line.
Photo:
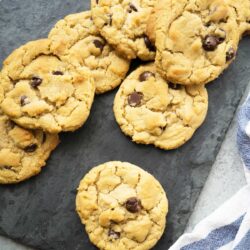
[228,228]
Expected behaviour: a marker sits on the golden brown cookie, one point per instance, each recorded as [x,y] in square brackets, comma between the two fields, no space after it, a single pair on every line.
[23,152]
[195,40]
[122,207]
[153,111]
[123,24]
[76,38]
[44,91]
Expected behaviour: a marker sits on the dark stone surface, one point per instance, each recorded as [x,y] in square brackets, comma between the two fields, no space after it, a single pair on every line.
[41,211]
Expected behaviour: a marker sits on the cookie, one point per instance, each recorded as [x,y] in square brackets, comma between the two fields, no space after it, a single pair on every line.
[23,152]
[122,206]
[123,25]
[76,38]
[44,91]
[152,111]
[195,40]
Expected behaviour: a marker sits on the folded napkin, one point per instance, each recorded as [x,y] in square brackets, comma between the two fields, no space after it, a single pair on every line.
[229,226]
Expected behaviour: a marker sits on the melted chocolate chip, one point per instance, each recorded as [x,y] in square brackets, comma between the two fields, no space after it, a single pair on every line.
[221,39]
[134,99]
[210,43]
[36,81]
[44,138]
[132,8]
[114,235]
[145,75]
[24,100]
[98,44]
[31,148]
[133,205]
[148,44]
[97,1]
[57,73]
[174,86]
[230,54]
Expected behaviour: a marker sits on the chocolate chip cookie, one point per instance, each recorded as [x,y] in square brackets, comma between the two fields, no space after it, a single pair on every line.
[123,25]
[153,111]
[195,40]
[23,152]
[44,91]
[122,207]
[76,37]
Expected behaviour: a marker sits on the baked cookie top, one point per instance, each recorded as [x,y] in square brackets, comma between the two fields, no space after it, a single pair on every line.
[123,24]
[42,90]
[122,206]
[77,38]
[22,152]
[195,40]
[242,13]
[152,111]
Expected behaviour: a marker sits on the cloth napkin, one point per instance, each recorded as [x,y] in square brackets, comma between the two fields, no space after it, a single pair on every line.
[228,228]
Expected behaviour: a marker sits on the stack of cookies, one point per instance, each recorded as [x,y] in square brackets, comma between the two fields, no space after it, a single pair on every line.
[48,86]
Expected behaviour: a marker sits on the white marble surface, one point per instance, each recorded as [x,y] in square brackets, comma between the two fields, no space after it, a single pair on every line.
[226,178]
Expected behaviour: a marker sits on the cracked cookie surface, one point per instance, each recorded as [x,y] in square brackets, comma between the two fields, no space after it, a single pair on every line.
[123,25]
[122,206]
[23,152]
[196,40]
[242,13]
[43,91]
[152,111]
[77,38]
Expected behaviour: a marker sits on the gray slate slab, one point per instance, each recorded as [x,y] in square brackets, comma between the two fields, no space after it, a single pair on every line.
[41,211]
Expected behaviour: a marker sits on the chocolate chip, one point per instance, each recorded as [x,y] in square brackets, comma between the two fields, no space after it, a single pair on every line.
[98,44]
[134,99]
[36,81]
[133,205]
[44,138]
[31,148]
[174,86]
[230,54]
[148,44]
[97,1]
[57,73]
[132,8]
[114,235]
[210,43]
[221,39]
[24,100]
[145,75]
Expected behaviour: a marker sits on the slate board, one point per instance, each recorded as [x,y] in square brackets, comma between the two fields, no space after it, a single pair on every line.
[41,212]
